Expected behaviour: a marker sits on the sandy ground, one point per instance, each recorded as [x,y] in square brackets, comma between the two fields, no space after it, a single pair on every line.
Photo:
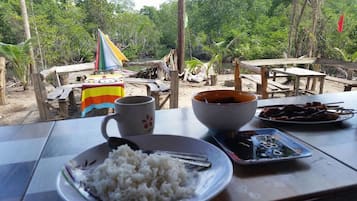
[21,107]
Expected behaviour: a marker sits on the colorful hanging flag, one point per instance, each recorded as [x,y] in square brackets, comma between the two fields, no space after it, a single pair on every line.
[340,23]
[108,56]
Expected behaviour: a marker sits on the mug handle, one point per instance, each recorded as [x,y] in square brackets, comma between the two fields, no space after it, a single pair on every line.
[105,123]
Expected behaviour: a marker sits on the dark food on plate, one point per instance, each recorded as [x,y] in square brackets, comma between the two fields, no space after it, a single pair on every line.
[314,111]
[248,145]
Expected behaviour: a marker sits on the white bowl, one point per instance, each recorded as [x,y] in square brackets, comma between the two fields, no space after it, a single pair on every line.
[224,110]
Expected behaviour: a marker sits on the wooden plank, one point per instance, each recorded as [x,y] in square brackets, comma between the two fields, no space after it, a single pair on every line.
[2,81]
[237,77]
[68,69]
[162,87]
[55,94]
[273,62]
[348,84]
[264,80]
[278,85]
[137,80]
[66,93]
[271,84]
[249,67]
[153,87]
[174,88]
[342,81]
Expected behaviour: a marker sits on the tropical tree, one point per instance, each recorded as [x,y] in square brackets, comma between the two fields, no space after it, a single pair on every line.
[136,34]
[61,31]
[218,52]
[11,27]
[20,59]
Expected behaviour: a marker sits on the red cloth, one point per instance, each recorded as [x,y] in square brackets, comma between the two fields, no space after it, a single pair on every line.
[340,23]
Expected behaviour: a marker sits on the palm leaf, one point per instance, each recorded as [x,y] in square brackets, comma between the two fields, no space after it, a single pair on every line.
[343,54]
[354,57]
[18,56]
[192,64]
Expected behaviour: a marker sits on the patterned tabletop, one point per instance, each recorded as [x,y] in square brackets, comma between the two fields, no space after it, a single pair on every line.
[32,155]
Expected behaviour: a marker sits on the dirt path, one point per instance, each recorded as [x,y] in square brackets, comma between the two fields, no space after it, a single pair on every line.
[21,107]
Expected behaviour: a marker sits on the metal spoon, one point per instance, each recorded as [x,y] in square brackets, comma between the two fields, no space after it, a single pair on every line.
[187,158]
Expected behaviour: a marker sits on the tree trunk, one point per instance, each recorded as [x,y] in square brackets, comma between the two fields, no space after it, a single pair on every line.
[313,36]
[181,35]
[315,18]
[292,27]
[38,38]
[294,37]
[32,68]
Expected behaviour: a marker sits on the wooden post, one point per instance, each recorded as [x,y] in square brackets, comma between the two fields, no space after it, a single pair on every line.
[174,89]
[237,78]
[181,35]
[41,96]
[264,77]
[349,74]
[2,81]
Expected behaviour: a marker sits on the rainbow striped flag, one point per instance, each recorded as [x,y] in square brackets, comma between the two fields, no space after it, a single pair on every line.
[108,56]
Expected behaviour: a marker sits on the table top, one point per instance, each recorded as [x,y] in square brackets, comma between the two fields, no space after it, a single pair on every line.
[32,155]
[104,79]
[301,72]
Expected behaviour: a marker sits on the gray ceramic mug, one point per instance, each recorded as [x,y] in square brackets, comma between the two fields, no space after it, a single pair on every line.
[134,115]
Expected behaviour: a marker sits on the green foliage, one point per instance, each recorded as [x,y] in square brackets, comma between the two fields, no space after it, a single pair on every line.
[347,57]
[19,57]
[11,25]
[62,37]
[65,32]
[132,35]
[193,64]
[257,29]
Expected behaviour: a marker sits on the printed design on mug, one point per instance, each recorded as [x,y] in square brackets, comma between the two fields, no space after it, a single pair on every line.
[148,122]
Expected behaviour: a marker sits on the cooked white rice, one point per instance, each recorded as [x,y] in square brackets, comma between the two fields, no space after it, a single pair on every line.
[133,175]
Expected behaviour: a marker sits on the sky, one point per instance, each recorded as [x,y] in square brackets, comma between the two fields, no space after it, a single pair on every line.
[140,3]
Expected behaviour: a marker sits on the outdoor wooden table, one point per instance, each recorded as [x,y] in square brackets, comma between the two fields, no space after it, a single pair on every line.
[299,73]
[337,140]
[32,156]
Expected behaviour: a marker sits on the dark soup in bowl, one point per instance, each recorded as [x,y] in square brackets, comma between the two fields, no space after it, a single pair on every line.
[223,96]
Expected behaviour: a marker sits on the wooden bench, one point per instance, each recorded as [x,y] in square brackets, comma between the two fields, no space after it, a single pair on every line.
[272,86]
[155,88]
[55,104]
[348,84]
[264,85]
[158,89]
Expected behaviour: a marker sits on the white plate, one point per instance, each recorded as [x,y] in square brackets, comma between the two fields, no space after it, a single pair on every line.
[342,117]
[210,182]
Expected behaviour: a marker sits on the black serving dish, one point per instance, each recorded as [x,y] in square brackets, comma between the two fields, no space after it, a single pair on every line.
[261,146]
